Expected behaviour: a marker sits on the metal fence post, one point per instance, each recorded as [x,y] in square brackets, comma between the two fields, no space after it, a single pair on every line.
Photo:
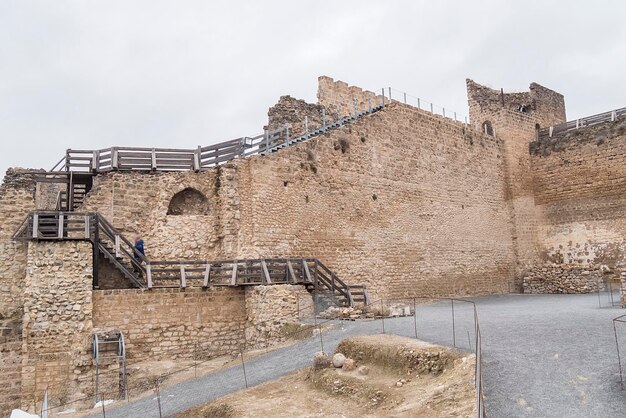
[383,96]
[382,313]
[389,93]
[415,317]
[306,124]
[404,98]
[453,325]
[323,119]
[243,365]
[619,359]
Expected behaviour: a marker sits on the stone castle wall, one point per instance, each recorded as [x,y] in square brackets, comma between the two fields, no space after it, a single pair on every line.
[516,129]
[403,201]
[579,183]
[406,202]
[335,95]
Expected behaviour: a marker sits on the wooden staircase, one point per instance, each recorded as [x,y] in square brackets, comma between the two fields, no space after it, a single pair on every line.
[142,272]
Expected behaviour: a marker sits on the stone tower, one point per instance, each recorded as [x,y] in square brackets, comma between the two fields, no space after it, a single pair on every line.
[515,118]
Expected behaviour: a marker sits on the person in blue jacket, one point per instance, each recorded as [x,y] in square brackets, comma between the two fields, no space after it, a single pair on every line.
[139,249]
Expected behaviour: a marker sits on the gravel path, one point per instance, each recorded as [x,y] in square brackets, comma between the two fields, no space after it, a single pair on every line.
[544,356]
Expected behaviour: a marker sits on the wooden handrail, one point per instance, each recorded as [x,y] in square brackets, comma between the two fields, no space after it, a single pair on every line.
[91,226]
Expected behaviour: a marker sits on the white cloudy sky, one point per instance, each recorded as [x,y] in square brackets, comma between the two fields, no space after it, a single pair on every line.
[92,74]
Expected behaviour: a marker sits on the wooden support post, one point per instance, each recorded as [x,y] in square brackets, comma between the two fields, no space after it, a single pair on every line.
[197,159]
[207,275]
[233,278]
[117,246]
[35,225]
[87,227]
[183,277]
[115,163]
[266,274]
[60,226]
[95,161]
[291,272]
[96,253]
[149,276]
[307,273]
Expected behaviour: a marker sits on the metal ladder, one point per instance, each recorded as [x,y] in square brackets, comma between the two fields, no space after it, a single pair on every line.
[110,346]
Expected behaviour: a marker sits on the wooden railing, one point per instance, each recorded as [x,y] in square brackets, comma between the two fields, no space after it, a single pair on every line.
[53,225]
[201,158]
[610,116]
[146,273]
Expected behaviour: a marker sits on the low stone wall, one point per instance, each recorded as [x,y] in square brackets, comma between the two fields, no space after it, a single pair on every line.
[173,323]
[562,279]
[269,308]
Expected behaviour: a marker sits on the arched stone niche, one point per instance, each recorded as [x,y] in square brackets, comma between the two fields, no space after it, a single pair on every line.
[188,201]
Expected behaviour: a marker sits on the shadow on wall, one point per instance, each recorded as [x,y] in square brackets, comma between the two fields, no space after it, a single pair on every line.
[188,202]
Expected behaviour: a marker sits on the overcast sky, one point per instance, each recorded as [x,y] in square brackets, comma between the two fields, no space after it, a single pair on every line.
[94,74]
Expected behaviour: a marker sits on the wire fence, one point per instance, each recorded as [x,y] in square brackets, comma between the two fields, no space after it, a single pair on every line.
[423,104]
[448,321]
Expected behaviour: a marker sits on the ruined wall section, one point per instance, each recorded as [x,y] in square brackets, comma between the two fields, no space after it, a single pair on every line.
[138,203]
[292,112]
[403,201]
[56,346]
[174,323]
[17,198]
[338,95]
[270,309]
[543,104]
[579,182]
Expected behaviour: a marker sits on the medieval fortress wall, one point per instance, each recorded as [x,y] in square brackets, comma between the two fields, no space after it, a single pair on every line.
[403,201]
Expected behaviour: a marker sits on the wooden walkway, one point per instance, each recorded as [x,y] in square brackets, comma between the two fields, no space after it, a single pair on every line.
[145,273]
[199,159]
[610,116]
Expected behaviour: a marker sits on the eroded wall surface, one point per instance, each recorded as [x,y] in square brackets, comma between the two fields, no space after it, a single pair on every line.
[579,184]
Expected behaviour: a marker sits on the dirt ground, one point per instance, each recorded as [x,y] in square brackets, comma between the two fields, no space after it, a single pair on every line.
[395,377]
[142,376]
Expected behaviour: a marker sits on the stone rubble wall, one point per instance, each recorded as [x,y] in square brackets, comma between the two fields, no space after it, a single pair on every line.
[292,112]
[562,279]
[269,308]
[57,320]
[137,203]
[173,323]
[17,198]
